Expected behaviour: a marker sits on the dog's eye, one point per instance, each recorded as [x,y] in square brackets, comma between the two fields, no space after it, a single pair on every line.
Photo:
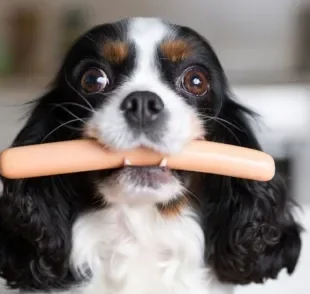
[195,81]
[94,80]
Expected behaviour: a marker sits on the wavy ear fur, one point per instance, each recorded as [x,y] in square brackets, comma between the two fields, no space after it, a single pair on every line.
[249,224]
[36,217]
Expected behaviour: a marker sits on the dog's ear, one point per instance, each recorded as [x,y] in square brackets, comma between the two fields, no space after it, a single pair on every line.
[250,225]
[36,216]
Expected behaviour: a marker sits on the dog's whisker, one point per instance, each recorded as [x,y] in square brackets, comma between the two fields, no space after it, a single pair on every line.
[228,129]
[230,123]
[58,127]
[216,119]
[186,192]
[71,113]
[79,94]
[74,104]
[71,127]
[222,120]
[91,39]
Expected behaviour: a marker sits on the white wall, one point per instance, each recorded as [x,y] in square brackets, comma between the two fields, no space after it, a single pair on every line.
[248,35]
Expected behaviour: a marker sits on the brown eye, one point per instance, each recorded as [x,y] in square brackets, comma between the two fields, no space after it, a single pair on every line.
[94,80]
[195,81]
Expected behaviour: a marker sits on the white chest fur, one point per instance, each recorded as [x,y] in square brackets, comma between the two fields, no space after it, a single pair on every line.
[135,250]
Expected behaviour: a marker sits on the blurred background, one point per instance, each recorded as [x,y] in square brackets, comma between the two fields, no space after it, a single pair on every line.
[264,46]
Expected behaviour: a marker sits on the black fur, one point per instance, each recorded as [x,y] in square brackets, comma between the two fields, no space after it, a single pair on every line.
[36,216]
[249,225]
[249,228]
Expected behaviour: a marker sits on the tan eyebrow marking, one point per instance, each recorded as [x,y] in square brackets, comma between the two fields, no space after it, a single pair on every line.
[175,50]
[115,52]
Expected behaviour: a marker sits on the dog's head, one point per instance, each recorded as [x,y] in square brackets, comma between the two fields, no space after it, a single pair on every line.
[143,82]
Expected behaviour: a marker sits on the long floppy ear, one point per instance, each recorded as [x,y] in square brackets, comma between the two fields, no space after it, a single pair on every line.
[36,216]
[249,224]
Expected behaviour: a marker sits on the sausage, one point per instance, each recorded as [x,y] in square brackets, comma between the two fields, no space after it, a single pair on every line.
[86,155]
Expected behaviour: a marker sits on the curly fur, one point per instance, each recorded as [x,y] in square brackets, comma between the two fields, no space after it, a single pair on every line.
[254,233]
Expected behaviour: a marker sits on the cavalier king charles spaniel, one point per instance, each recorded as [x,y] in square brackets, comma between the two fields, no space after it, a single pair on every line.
[143,230]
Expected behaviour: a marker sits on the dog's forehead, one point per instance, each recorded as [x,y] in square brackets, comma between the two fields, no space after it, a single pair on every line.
[149,31]
[147,35]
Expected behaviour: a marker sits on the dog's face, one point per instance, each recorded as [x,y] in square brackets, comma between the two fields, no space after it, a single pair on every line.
[143,82]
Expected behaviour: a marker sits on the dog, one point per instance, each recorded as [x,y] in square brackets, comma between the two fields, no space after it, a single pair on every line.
[144,230]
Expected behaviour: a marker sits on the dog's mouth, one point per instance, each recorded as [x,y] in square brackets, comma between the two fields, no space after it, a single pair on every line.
[148,175]
[145,176]
[142,184]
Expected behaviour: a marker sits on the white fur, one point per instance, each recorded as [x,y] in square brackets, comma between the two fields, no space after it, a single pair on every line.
[123,190]
[133,249]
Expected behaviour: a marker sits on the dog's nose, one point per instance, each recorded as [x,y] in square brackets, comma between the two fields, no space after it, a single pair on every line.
[142,108]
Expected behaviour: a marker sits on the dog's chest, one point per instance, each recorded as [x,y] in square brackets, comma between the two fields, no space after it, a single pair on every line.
[136,250]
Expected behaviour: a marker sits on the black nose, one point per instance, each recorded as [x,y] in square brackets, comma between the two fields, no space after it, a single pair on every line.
[142,108]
